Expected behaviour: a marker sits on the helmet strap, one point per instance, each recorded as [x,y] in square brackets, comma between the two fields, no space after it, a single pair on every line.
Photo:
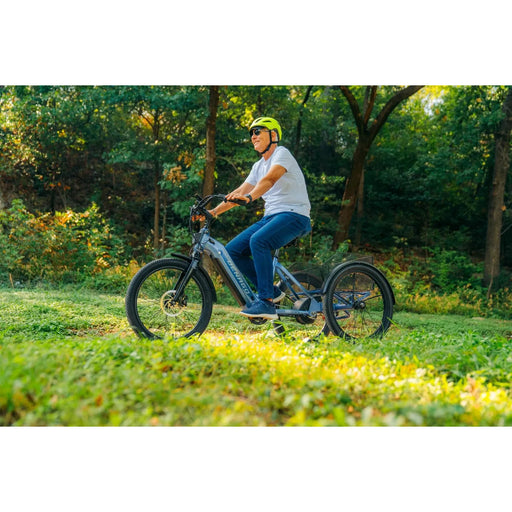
[270,143]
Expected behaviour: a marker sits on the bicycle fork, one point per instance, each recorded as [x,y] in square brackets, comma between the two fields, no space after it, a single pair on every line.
[183,281]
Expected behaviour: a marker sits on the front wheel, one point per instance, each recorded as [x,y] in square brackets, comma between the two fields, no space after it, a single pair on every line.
[358,301]
[154,310]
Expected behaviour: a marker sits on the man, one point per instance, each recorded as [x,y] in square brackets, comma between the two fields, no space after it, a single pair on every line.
[279,181]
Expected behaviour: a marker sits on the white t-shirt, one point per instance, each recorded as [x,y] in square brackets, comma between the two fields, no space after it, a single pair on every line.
[289,193]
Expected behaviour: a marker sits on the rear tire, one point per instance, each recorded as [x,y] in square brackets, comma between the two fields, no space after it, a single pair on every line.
[358,302]
[151,310]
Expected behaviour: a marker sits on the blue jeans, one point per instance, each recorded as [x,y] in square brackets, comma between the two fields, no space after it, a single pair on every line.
[252,249]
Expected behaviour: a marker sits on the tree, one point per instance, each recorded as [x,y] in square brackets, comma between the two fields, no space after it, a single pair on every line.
[300,118]
[51,144]
[497,193]
[367,130]
[209,172]
[163,140]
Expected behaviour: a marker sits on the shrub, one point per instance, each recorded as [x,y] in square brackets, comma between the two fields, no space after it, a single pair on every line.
[447,282]
[61,247]
[452,270]
[179,241]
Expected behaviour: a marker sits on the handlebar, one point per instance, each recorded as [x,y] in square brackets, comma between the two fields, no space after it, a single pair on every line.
[239,202]
[199,208]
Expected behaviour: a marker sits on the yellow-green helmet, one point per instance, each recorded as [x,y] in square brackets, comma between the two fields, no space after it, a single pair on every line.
[268,122]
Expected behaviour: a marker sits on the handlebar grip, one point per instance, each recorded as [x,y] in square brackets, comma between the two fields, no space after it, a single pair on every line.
[239,202]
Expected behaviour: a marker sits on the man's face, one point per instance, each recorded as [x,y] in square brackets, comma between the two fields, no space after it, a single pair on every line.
[260,138]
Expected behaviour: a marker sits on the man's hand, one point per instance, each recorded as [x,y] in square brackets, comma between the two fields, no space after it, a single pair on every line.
[238,197]
[202,218]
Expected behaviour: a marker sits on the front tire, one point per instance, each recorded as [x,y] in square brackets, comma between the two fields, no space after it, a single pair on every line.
[151,307]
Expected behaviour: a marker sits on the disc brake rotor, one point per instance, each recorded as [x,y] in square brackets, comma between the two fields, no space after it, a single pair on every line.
[169,306]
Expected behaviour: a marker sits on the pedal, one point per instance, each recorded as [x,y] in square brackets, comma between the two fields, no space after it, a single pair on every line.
[257,320]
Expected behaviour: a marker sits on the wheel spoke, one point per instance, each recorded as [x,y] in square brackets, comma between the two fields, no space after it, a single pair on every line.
[153,308]
[358,302]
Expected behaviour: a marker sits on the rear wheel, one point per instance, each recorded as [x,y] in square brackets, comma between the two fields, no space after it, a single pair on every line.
[358,302]
[154,311]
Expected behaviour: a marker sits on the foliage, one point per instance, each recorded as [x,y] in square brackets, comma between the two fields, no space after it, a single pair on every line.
[76,362]
[444,271]
[62,247]
[426,181]
[52,143]
[428,175]
[445,282]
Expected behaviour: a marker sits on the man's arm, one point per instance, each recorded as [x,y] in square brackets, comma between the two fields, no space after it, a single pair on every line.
[268,181]
[256,191]
[238,193]
[264,185]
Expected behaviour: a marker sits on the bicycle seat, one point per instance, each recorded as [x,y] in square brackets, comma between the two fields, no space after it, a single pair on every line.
[293,242]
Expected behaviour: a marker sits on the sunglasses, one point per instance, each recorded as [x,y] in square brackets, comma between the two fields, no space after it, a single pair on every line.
[257,131]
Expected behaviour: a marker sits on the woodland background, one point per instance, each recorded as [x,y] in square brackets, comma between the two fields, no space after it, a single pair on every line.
[94,179]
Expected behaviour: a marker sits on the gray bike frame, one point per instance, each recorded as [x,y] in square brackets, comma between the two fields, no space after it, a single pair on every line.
[237,283]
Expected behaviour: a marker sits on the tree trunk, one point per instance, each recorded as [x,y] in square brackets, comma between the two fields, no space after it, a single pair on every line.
[497,194]
[360,212]
[211,123]
[157,166]
[296,147]
[156,220]
[348,202]
[367,131]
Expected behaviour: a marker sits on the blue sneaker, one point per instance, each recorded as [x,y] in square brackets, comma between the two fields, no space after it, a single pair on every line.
[260,309]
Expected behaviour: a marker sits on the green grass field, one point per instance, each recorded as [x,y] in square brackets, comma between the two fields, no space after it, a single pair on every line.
[68,357]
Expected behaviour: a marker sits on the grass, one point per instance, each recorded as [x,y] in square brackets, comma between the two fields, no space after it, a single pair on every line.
[68,357]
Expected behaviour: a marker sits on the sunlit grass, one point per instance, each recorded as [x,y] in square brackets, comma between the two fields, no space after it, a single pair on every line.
[68,357]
